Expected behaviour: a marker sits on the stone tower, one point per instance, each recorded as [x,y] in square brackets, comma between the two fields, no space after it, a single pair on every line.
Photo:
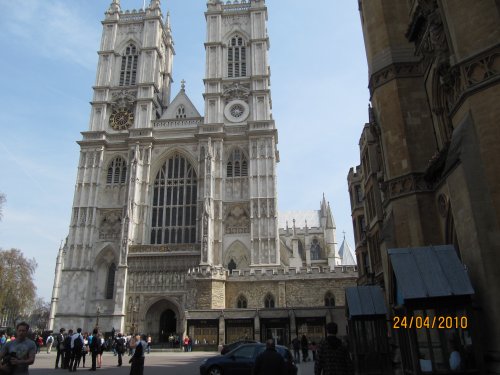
[238,138]
[132,88]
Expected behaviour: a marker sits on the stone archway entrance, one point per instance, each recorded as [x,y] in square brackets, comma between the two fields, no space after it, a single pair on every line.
[168,325]
[163,319]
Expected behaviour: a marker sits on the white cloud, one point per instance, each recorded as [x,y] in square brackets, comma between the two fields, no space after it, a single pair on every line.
[53,29]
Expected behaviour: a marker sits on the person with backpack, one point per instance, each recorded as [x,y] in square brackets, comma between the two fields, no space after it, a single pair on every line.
[95,348]
[49,342]
[59,342]
[76,349]
[120,347]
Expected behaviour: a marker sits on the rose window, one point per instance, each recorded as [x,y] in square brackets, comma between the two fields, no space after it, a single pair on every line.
[237,110]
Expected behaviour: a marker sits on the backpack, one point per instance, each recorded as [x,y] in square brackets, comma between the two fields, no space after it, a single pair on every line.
[78,344]
[67,343]
[50,339]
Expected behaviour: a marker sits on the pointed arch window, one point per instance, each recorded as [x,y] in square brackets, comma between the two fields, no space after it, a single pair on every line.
[174,203]
[181,112]
[242,302]
[237,165]
[315,250]
[128,69]
[269,301]
[117,172]
[329,299]
[110,281]
[236,57]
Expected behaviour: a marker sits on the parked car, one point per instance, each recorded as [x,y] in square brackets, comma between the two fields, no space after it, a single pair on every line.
[241,360]
[229,347]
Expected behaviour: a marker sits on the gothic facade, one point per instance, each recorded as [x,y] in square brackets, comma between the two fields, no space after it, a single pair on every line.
[175,228]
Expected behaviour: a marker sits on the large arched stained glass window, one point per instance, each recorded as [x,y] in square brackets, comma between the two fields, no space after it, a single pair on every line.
[174,203]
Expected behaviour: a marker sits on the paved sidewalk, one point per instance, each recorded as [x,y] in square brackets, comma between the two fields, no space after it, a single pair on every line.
[173,363]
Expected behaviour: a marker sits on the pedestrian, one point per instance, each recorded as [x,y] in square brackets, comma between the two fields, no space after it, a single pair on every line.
[190,344]
[37,343]
[269,362]
[95,348]
[49,342]
[3,340]
[67,350]
[85,348]
[150,340]
[296,349]
[314,350]
[304,345]
[59,342]
[99,356]
[332,357]
[137,359]
[119,347]
[186,343]
[21,352]
[76,349]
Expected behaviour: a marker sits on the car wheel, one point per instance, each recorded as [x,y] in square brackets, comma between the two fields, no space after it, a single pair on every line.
[214,370]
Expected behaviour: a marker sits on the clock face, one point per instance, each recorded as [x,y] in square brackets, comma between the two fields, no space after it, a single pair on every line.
[121,119]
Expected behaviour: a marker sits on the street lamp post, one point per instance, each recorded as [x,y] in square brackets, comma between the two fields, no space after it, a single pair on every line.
[134,311]
[97,318]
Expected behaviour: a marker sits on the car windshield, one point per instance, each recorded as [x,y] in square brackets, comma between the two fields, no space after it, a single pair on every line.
[246,351]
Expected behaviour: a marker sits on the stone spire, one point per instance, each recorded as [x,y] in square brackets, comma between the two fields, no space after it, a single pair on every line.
[155,4]
[167,22]
[114,7]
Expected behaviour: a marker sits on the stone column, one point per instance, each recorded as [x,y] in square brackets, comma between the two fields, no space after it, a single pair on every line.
[256,324]
[222,330]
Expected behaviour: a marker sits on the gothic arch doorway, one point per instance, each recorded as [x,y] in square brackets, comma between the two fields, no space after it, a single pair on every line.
[163,318]
[168,325]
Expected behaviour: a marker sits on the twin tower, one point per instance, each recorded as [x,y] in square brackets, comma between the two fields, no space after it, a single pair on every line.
[168,201]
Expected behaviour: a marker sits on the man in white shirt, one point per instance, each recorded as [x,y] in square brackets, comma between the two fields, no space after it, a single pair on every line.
[49,342]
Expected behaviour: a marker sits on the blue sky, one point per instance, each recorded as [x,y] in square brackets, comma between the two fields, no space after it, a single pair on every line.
[48,66]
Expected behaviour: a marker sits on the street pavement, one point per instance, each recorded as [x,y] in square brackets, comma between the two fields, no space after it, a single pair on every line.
[171,363]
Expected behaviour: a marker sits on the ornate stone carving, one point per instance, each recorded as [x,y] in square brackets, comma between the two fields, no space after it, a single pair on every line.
[123,98]
[393,71]
[110,225]
[235,20]
[237,219]
[404,185]
[236,91]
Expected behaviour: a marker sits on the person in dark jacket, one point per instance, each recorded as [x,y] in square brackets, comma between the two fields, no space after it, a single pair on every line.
[332,358]
[296,349]
[95,348]
[269,362]
[59,342]
[304,345]
[67,349]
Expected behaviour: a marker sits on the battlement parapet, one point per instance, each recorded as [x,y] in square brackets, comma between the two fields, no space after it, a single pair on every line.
[268,272]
